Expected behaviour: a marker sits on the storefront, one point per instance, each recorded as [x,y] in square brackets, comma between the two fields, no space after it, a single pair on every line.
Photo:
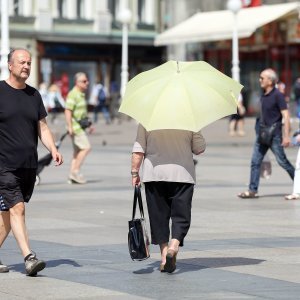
[58,62]
[275,45]
[269,37]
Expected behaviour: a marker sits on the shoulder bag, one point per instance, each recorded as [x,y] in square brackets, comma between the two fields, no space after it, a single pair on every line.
[265,132]
[85,122]
[138,240]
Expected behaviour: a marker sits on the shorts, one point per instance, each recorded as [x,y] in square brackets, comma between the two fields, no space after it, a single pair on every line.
[15,186]
[81,142]
[236,117]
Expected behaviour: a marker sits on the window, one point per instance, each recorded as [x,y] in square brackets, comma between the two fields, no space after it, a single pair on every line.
[114,7]
[17,7]
[141,11]
[146,11]
[62,8]
[81,13]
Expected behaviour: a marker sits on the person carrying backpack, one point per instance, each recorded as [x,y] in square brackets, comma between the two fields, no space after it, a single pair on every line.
[99,95]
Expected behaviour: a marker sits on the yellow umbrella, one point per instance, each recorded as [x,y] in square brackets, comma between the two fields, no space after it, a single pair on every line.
[180,95]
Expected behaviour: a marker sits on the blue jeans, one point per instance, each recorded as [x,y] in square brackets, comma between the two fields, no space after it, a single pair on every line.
[259,152]
[102,108]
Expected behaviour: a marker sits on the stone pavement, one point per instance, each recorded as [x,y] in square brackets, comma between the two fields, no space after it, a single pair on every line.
[236,249]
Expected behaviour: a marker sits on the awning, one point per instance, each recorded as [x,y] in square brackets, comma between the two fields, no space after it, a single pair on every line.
[218,25]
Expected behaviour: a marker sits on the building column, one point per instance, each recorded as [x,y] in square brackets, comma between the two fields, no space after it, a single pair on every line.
[71,9]
[44,20]
[177,52]
[89,9]
[149,12]
[102,18]
[27,8]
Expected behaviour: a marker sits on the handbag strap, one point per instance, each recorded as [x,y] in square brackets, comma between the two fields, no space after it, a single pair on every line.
[137,198]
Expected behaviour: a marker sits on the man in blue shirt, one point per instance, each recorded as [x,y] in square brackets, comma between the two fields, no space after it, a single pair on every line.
[273,111]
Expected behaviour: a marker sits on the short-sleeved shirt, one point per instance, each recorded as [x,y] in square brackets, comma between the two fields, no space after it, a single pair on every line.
[20,111]
[77,104]
[168,154]
[271,106]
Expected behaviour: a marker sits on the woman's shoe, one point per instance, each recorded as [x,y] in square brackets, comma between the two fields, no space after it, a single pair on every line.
[162,268]
[170,265]
[292,197]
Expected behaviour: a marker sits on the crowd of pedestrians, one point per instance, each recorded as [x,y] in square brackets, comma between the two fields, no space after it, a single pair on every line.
[161,159]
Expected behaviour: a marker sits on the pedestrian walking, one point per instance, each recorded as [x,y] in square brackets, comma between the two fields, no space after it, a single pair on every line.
[55,101]
[43,90]
[236,122]
[22,121]
[296,186]
[75,111]
[99,98]
[297,96]
[273,111]
[169,178]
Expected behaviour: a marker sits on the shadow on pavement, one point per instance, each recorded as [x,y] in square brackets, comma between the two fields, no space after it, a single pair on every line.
[196,264]
[49,264]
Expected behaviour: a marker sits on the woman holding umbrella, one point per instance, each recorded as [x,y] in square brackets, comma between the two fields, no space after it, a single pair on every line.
[172,103]
[169,178]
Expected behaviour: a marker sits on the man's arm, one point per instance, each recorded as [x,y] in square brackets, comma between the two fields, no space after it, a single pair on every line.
[48,141]
[286,128]
[68,115]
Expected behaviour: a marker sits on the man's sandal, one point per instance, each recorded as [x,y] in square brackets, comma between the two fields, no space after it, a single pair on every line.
[248,195]
[292,197]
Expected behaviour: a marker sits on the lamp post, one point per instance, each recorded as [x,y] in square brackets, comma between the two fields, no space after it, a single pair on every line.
[235,6]
[124,18]
[4,39]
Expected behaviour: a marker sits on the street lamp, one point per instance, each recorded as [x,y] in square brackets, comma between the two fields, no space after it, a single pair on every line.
[124,18]
[4,39]
[235,6]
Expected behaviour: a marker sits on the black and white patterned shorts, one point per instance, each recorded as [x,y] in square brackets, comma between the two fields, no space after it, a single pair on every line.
[15,186]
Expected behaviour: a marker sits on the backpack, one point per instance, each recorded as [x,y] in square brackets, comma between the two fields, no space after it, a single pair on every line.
[101,95]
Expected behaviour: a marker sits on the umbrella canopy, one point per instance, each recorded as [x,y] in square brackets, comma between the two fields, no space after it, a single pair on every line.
[180,95]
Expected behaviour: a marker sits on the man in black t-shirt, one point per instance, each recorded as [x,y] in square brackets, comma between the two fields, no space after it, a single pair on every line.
[22,121]
[273,111]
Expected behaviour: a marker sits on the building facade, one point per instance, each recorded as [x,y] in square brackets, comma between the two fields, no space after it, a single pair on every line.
[275,45]
[68,36]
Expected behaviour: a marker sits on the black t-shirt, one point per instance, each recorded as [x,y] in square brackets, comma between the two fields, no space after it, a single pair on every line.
[20,111]
[271,106]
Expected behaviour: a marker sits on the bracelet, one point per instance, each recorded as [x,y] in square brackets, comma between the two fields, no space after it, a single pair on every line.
[134,173]
[134,176]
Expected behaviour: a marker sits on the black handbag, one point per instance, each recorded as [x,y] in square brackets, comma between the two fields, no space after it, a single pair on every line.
[85,122]
[266,134]
[138,240]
